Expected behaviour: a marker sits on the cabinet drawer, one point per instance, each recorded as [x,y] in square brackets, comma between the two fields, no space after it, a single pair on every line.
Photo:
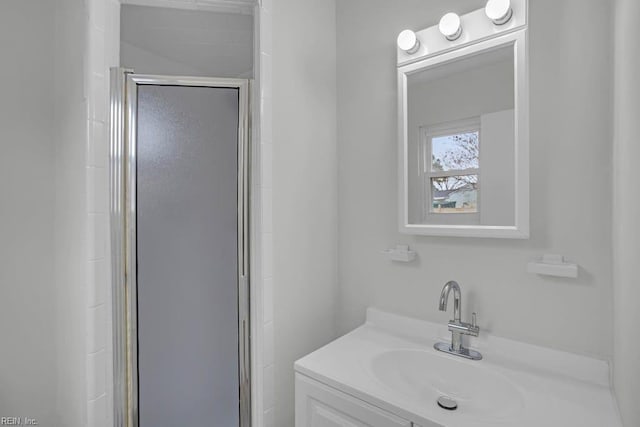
[318,405]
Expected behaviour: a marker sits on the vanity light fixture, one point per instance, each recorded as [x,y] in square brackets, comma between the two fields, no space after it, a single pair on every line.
[499,11]
[450,26]
[408,41]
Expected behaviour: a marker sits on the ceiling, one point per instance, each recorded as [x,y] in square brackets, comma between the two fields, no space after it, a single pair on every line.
[208,43]
[231,6]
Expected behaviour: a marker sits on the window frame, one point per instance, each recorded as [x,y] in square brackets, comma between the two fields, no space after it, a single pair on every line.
[427,134]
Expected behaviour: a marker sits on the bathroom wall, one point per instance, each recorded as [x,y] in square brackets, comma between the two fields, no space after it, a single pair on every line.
[70,227]
[27,184]
[626,208]
[304,187]
[55,266]
[56,241]
[571,180]
[157,40]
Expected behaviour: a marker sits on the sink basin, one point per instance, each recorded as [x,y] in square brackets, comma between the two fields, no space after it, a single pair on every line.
[389,362]
[423,376]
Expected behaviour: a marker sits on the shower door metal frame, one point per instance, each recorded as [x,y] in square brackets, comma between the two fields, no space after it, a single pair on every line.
[122,165]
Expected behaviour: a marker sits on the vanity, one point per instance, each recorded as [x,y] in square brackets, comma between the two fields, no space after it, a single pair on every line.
[387,373]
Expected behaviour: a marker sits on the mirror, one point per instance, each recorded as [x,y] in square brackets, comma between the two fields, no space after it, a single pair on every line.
[464,152]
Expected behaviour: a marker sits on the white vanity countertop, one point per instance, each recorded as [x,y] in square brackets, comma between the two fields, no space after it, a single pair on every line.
[538,386]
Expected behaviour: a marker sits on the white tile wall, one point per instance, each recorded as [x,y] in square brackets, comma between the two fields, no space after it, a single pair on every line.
[268,299]
[264,77]
[269,387]
[269,418]
[97,274]
[96,375]
[97,411]
[98,149]
[102,53]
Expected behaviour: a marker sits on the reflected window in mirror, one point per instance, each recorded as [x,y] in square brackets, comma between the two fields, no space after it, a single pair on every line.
[451,167]
[461,137]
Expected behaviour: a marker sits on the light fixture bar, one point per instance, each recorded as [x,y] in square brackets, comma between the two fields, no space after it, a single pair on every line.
[499,11]
[450,26]
[408,41]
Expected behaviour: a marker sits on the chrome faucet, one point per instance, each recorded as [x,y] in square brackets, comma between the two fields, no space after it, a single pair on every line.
[457,327]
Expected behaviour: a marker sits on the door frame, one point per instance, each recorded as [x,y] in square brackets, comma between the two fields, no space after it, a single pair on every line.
[122,167]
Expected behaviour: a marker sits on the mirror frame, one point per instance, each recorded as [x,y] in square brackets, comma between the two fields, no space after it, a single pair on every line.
[520,230]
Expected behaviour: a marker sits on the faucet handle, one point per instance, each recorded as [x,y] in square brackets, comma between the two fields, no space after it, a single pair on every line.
[474,320]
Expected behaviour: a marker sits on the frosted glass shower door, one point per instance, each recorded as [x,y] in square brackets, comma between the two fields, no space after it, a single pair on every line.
[187,256]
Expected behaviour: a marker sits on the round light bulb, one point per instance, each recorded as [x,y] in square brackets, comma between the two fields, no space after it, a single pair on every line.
[408,41]
[499,11]
[450,26]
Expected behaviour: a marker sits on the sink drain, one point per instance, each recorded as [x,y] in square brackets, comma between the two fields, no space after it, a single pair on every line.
[447,403]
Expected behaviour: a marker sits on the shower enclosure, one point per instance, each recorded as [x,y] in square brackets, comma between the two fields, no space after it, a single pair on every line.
[179,218]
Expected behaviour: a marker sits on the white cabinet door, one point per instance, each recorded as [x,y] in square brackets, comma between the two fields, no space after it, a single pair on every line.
[318,405]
